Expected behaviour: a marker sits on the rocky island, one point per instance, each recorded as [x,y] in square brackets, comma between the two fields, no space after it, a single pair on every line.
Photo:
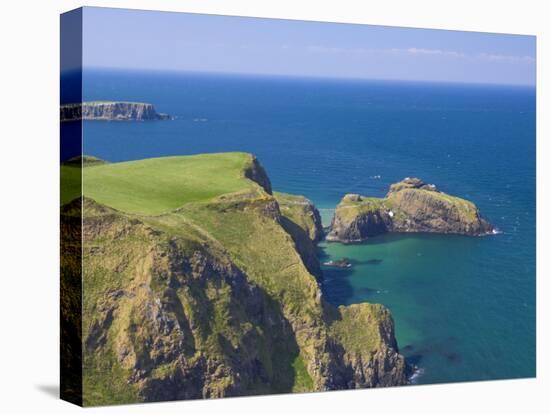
[111,111]
[340,263]
[410,206]
[199,281]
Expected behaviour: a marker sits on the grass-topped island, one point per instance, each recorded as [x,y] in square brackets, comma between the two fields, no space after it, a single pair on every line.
[199,281]
[410,206]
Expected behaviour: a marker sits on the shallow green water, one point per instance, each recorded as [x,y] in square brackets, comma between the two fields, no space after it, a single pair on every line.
[447,322]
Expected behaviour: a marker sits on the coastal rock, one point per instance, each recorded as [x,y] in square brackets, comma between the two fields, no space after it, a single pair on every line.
[383,365]
[352,198]
[302,211]
[431,211]
[410,206]
[217,299]
[411,183]
[359,221]
[302,221]
[111,111]
[255,172]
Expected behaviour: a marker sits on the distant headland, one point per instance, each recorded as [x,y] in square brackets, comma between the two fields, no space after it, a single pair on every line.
[111,111]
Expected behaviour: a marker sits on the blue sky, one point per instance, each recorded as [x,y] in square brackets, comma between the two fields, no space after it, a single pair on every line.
[132,39]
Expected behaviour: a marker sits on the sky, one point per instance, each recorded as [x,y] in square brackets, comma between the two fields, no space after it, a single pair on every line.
[131,39]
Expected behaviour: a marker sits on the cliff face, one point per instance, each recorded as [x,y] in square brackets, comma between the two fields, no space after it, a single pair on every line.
[111,111]
[216,299]
[175,315]
[255,172]
[302,211]
[302,221]
[410,206]
[364,326]
[357,218]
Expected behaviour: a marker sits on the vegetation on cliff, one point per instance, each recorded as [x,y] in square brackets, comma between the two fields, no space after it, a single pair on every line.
[410,206]
[198,282]
[301,211]
[302,221]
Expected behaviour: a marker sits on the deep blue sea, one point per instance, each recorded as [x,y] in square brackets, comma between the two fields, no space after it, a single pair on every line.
[464,307]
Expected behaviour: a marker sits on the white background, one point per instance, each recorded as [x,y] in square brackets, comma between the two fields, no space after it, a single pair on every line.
[29,195]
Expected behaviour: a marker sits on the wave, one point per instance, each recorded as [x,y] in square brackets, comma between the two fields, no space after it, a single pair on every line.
[418,372]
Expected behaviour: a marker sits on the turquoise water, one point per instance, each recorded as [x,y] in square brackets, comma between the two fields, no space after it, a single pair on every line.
[464,307]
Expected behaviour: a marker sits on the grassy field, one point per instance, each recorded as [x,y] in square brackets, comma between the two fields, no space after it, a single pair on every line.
[157,185]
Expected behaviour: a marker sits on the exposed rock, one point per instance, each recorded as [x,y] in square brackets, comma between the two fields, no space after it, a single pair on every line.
[302,211]
[410,206]
[111,111]
[411,183]
[343,263]
[301,219]
[430,211]
[352,198]
[383,365]
[357,218]
[256,173]
[351,224]
[155,309]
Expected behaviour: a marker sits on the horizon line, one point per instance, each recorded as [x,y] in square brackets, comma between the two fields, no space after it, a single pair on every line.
[299,76]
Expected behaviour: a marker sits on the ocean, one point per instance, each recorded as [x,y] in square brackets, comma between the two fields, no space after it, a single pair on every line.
[464,307]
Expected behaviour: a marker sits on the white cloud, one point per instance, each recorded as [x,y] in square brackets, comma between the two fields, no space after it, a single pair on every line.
[423,52]
[431,52]
[339,50]
[505,58]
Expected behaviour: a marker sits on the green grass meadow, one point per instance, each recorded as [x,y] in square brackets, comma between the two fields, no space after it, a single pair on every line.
[157,185]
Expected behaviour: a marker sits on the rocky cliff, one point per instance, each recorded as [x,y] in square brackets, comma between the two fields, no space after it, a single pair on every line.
[111,111]
[302,221]
[255,172]
[410,206]
[217,299]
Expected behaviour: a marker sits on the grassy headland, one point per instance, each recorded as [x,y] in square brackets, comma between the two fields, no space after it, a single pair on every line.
[197,283]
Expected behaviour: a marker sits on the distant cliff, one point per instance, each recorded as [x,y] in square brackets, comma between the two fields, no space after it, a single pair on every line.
[411,206]
[111,111]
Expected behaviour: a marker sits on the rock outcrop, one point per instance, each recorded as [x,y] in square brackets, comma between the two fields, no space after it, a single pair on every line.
[218,299]
[301,219]
[381,368]
[410,206]
[255,172]
[303,211]
[111,111]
